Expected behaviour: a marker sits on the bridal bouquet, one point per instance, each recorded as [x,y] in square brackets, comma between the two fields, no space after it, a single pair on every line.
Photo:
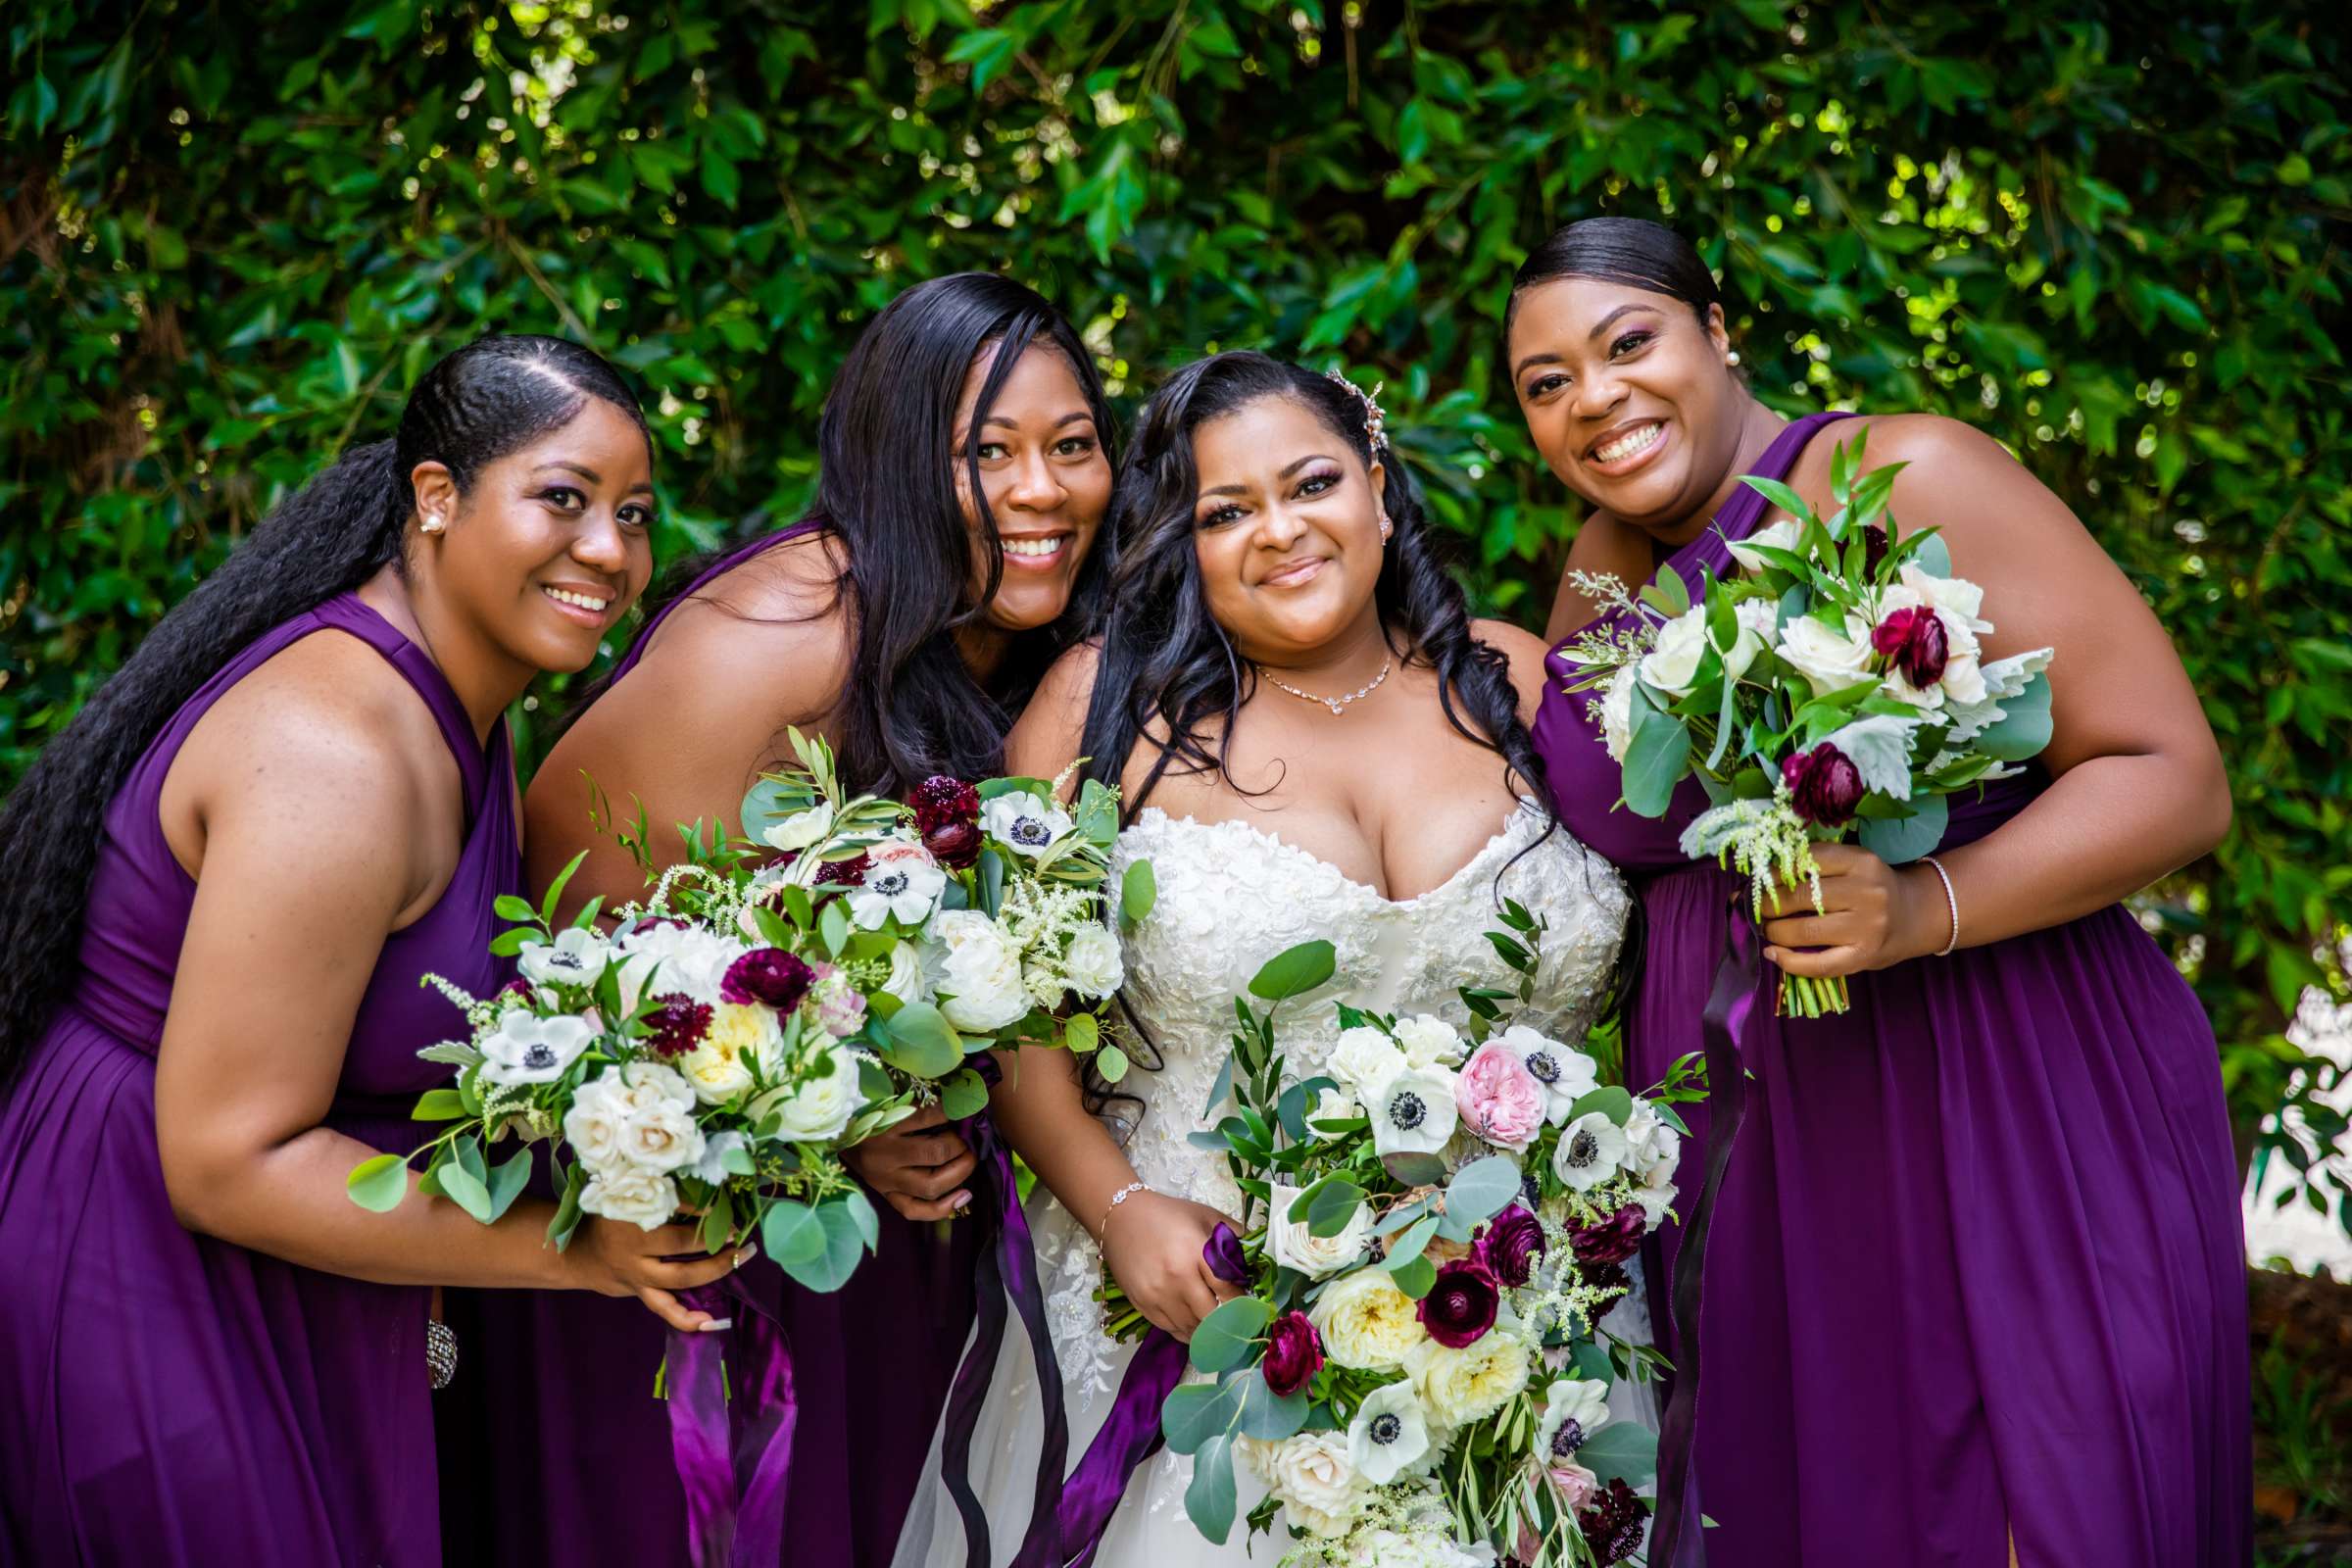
[1440,1220]
[773,1001]
[1837,686]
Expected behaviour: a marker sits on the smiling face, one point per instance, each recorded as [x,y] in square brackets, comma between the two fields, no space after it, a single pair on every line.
[1627,396]
[1047,481]
[548,547]
[1287,530]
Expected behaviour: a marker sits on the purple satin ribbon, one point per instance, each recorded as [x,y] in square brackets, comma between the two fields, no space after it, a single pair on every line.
[1130,1435]
[1677,1538]
[733,1454]
[1006,1270]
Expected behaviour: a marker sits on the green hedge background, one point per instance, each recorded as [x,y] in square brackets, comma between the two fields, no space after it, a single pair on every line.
[2112,235]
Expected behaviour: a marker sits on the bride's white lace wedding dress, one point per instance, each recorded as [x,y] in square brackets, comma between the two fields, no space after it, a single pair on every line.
[1231,897]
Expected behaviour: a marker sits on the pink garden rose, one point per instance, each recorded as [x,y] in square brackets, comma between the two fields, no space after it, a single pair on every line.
[1577,1485]
[1499,1098]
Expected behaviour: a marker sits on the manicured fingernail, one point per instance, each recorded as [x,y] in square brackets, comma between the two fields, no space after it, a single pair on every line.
[747,1254]
[717,1325]
[959,1200]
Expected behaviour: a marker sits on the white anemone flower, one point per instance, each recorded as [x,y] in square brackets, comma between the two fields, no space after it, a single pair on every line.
[1591,1150]
[529,1049]
[1024,822]
[1412,1111]
[1565,1074]
[1574,1408]
[902,880]
[1389,1435]
[576,958]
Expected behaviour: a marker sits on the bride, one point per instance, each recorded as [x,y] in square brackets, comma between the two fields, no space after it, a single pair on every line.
[1313,741]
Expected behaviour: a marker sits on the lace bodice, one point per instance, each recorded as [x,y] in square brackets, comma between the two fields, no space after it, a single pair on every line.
[1231,897]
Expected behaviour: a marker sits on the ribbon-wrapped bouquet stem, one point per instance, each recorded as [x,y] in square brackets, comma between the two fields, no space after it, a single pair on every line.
[1836,687]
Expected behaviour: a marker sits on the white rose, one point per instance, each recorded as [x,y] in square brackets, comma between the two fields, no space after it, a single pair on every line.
[1617,713]
[662,1137]
[816,1110]
[800,829]
[1460,1387]
[643,1085]
[529,1049]
[1294,1245]
[1429,1042]
[1566,1075]
[575,957]
[593,1124]
[1093,963]
[1412,1111]
[1314,1480]
[976,971]
[1828,659]
[1672,663]
[1782,535]
[906,980]
[1657,1163]
[1362,1057]
[1023,822]
[1958,599]
[629,1196]
[1955,603]
[902,880]
[1366,1322]
[720,1066]
[1334,1104]
[686,960]
[1590,1150]
[1389,1434]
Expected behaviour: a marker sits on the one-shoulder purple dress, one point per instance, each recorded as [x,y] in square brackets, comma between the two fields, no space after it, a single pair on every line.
[171,1399]
[560,1394]
[1977,1264]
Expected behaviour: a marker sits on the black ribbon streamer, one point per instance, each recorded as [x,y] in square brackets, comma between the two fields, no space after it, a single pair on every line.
[1677,1538]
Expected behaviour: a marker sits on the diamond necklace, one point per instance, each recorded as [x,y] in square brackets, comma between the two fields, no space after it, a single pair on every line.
[1337,705]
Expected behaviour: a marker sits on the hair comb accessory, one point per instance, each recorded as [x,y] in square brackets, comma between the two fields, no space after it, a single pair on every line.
[1376,423]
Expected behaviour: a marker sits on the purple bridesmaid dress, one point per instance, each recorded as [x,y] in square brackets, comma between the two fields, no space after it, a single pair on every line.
[1977,1264]
[557,1390]
[172,1399]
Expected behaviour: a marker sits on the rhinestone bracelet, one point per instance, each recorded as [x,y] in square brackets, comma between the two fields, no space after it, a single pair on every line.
[1951,902]
[1116,1199]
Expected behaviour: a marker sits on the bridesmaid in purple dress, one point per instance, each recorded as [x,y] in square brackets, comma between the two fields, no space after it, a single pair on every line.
[1976,1288]
[950,549]
[226,877]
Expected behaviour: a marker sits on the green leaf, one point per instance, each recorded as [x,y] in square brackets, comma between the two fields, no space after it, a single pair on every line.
[922,1042]
[1622,1451]
[790,1235]
[1414,1279]
[510,907]
[1139,889]
[1224,1338]
[1332,1205]
[2024,728]
[438,1105]
[553,897]
[1195,1412]
[508,1180]
[842,1246]
[1656,758]
[1902,840]
[1610,1099]
[1484,1188]
[1294,971]
[1112,1063]
[965,1094]
[378,1184]
[1209,1498]
[463,1188]
[833,926]
[1408,1247]
[1265,1414]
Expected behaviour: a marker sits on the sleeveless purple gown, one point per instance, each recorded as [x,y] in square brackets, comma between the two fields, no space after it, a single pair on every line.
[172,1399]
[1977,1264]
[562,1392]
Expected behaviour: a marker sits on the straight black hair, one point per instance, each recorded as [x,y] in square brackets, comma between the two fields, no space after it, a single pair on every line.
[1632,250]
[910,706]
[490,398]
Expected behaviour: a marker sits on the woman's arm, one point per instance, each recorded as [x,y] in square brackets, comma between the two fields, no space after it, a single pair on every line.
[309,859]
[2138,785]
[1151,1241]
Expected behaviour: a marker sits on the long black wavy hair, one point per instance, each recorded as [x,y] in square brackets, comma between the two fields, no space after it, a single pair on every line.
[1166,662]
[490,398]
[910,706]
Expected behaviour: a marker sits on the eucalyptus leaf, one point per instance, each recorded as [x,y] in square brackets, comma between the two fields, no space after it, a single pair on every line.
[1294,971]
[378,1184]
[1223,1340]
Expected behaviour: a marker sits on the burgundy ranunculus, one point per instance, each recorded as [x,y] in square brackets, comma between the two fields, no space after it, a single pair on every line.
[848,873]
[677,1023]
[940,799]
[1612,1525]
[1826,783]
[1874,544]
[1294,1354]
[1608,1277]
[1915,639]
[769,975]
[1461,1307]
[955,844]
[1511,1245]
[1609,1241]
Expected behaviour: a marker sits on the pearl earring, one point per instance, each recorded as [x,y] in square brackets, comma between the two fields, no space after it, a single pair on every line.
[1732,357]
[432,522]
